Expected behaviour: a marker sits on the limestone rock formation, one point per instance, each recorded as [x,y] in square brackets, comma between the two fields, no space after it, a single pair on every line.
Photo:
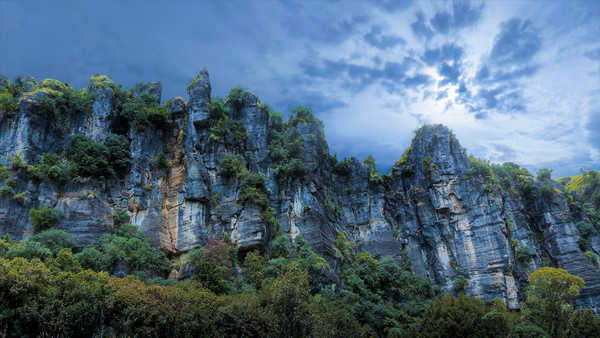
[432,209]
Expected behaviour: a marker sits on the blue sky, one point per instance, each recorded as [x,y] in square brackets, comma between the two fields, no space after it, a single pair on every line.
[515,80]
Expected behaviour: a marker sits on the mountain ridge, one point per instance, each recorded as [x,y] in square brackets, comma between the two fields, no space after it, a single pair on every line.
[209,168]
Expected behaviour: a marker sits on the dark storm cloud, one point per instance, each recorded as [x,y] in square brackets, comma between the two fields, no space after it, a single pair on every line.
[462,14]
[377,39]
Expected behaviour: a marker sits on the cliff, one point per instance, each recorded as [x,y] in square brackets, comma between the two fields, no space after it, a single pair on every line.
[209,168]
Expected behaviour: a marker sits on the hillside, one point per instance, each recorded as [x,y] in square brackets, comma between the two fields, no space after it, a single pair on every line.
[188,173]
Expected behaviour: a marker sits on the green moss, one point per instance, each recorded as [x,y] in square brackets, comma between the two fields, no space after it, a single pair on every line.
[195,80]
[101,81]
[592,257]
[20,197]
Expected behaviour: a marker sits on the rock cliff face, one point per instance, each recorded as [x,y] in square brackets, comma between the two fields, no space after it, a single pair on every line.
[451,224]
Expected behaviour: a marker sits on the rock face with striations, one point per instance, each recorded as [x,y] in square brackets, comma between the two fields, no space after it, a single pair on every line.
[431,209]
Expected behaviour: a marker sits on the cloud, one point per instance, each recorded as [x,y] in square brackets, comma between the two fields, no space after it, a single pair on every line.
[381,41]
[510,59]
[593,54]
[447,52]
[462,14]
[593,128]
[396,76]
[392,5]
[420,27]
[517,43]
[321,28]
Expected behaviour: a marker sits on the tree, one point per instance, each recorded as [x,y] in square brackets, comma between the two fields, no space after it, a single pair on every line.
[549,298]
[55,240]
[583,323]
[254,269]
[287,300]
[462,316]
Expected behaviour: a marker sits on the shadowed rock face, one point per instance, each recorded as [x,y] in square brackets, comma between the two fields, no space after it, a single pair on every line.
[429,210]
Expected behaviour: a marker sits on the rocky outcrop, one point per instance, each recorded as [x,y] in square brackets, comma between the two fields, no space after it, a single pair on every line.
[430,210]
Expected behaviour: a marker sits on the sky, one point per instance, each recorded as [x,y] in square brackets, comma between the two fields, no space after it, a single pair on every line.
[516,81]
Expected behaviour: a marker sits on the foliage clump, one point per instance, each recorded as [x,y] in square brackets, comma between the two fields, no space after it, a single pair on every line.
[45,217]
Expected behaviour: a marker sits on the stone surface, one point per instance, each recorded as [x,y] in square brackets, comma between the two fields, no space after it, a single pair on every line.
[428,210]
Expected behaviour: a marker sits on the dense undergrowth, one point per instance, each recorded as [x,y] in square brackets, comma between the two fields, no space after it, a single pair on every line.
[51,287]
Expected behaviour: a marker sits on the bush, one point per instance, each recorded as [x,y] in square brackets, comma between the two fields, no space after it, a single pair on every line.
[88,158]
[3,172]
[55,240]
[11,182]
[28,249]
[6,191]
[238,97]
[460,283]
[9,105]
[127,244]
[528,330]
[58,174]
[212,265]
[121,217]
[119,155]
[343,168]
[230,166]
[20,197]
[592,257]
[44,218]
[523,254]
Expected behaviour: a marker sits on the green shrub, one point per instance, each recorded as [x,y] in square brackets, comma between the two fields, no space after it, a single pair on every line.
[460,283]
[285,149]
[137,107]
[127,244]
[544,175]
[9,105]
[592,257]
[162,161]
[20,197]
[3,172]
[230,166]
[61,100]
[28,249]
[59,174]
[6,191]
[44,218]
[119,155]
[88,158]
[523,254]
[11,182]
[479,168]
[55,240]
[238,97]
[121,217]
